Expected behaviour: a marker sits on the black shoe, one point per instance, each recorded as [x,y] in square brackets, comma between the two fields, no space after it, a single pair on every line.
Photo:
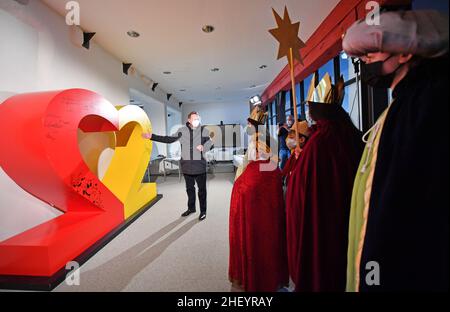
[187,212]
[202,216]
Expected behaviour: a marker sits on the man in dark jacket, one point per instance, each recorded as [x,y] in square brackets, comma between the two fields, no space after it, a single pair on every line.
[195,140]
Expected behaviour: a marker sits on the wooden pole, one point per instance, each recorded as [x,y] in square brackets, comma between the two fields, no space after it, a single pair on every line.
[294,96]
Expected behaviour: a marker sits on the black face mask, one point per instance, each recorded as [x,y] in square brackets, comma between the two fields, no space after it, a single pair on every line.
[373,75]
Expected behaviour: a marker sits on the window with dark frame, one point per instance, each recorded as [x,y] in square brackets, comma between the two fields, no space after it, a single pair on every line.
[273,110]
[287,105]
[300,98]
[353,97]
[329,68]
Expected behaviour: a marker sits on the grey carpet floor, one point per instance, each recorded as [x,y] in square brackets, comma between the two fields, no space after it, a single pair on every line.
[161,251]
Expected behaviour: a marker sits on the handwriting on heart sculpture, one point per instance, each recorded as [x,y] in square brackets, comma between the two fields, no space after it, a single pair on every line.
[40,152]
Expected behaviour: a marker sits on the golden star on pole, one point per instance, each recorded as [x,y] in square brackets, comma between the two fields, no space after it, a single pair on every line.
[287,35]
[290,45]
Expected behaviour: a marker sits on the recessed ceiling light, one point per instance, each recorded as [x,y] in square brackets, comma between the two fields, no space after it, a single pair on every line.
[215,69]
[208,29]
[263,66]
[133,34]
[167,72]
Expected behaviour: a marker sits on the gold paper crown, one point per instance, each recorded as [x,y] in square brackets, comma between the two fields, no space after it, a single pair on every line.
[326,92]
[302,128]
[258,116]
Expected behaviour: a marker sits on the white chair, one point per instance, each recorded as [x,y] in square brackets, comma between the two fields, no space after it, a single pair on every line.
[173,158]
[210,160]
[238,158]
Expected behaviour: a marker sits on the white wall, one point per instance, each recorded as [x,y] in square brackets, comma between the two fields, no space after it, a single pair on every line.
[156,111]
[174,119]
[37,54]
[212,114]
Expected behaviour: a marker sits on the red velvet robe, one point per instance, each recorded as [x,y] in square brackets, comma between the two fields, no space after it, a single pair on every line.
[258,259]
[318,206]
[289,166]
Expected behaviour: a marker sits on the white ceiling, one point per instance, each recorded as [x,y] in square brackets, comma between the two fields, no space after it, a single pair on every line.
[172,40]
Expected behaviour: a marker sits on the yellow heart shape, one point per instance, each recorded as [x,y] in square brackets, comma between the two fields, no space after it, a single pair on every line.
[123,176]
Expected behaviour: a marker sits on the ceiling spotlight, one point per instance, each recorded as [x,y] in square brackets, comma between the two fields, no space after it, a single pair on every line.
[167,72]
[126,67]
[208,29]
[87,36]
[215,69]
[263,67]
[255,100]
[133,34]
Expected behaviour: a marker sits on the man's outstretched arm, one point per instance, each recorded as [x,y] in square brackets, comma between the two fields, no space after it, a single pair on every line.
[160,138]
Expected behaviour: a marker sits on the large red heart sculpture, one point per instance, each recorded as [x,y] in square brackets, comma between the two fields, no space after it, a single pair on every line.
[39,151]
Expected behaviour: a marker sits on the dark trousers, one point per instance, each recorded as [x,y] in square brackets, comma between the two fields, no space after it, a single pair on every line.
[190,189]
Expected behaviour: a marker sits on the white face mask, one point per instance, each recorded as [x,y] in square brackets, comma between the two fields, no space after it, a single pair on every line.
[291,143]
[195,123]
